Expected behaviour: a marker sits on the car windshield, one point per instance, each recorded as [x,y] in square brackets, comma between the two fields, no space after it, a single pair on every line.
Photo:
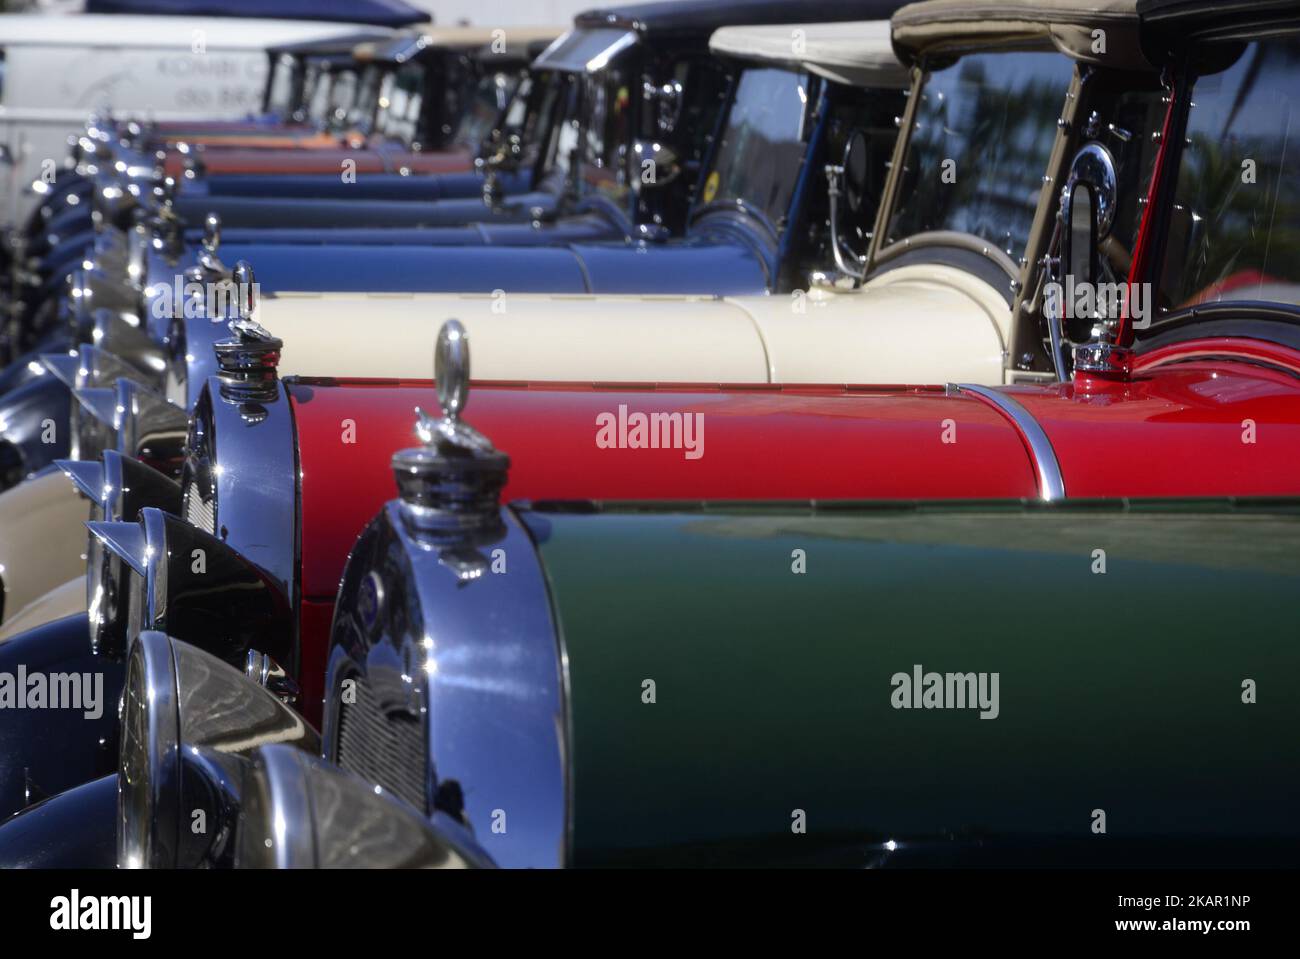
[318,104]
[484,105]
[1235,229]
[279,97]
[361,111]
[979,150]
[757,161]
[401,101]
[343,95]
[597,130]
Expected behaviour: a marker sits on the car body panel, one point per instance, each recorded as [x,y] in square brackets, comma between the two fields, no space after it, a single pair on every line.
[519,337]
[73,830]
[42,538]
[45,750]
[656,339]
[289,214]
[217,160]
[379,186]
[362,268]
[756,444]
[1142,718]
[65,600]
[1208,428]
[913,324]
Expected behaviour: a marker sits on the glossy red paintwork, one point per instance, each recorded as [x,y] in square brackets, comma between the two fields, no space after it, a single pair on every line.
[1221,347]
[759,443]
[219,159]
[314,618]
[1175,430]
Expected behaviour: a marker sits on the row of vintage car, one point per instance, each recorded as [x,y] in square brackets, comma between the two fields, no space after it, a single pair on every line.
[815,345]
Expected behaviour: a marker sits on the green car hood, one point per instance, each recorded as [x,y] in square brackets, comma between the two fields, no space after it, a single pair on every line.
[1120,693]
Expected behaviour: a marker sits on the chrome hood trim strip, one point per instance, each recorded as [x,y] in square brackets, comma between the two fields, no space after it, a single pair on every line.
[1051,484]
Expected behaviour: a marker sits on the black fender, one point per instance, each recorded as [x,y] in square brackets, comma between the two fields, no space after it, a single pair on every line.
[37,411]
[47,751]
[73,830]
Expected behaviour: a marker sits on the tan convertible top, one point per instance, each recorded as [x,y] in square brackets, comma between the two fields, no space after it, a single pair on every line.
[858,54]
[938,26]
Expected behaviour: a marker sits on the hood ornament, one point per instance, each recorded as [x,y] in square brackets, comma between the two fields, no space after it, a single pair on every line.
[452,483]
[209,265]
[247,360]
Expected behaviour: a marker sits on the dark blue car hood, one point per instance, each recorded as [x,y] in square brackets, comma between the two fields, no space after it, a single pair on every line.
[692,266]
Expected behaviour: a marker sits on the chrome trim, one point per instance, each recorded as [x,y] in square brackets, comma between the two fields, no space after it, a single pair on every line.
[187,718]
[122,333]
[1051,484]
[130,418]
[227,606]
[118,488]
[148,826]
[254,476]
[307,813]
[477,659]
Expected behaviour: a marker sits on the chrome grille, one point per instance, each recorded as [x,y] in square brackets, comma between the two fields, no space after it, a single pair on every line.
[199,512]
[198,482]
[386,748]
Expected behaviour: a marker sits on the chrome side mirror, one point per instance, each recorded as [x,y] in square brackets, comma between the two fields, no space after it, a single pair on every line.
[1085,218]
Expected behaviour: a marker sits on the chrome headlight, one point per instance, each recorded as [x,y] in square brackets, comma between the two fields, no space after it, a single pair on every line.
[215,771]
[186,718]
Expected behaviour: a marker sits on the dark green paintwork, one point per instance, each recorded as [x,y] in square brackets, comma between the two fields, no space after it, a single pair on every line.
[1119,691]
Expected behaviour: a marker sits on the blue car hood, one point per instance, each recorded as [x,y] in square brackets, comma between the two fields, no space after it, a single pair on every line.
[683,267]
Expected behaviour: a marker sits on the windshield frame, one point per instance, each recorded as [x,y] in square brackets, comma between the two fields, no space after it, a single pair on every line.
[1185,74]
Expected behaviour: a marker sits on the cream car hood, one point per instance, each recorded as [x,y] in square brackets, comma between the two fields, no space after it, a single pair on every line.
[913,325]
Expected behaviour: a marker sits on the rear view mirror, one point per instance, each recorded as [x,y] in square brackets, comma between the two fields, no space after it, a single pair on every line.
[856,173]
[1080,234]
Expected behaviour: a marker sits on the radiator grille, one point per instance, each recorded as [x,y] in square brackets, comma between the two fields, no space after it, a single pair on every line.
[383,747]
[199,512]
[198,486]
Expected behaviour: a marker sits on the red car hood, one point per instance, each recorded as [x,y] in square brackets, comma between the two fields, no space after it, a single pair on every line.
[1194,429]
[764,443]
[1213,429]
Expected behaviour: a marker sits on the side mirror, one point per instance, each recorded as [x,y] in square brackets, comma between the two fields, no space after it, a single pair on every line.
[1079,234]
[1086,215]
